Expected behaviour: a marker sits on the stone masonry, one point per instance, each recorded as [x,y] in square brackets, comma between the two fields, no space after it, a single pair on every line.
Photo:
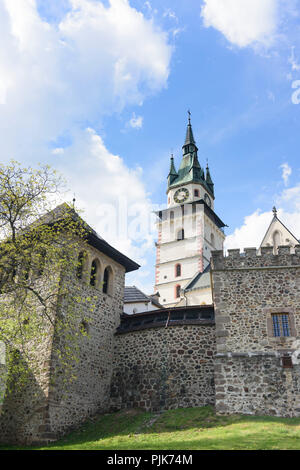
[47,408]
[252,375]
[164,368]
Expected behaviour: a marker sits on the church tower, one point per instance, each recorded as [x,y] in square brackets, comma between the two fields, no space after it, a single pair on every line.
[188,230]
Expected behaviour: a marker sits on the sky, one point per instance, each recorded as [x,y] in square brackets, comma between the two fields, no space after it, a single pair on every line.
[100,89]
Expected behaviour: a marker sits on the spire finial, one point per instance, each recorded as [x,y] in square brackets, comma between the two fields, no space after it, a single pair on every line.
[189,114]
[275,211]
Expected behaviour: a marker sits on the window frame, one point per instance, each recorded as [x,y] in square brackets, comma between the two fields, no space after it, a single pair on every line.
[290,312]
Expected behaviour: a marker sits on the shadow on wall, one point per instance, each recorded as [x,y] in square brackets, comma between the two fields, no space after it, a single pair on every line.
[24,412]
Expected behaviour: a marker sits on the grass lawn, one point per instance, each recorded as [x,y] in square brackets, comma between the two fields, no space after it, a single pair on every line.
[182,429]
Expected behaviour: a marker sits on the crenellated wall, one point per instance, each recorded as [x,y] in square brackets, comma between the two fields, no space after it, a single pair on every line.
[248,289]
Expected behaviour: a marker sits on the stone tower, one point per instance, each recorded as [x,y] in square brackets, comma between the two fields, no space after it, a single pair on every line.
[189,229]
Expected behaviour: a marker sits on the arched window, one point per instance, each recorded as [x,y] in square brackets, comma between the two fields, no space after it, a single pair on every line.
[107,280]
[41,262]
[26,270]
[84,327]
[172,216]
[177,291]
[212,239]
[196,192]
[94,269]
[178,270]
[180,234]
[276,240]
[80,262]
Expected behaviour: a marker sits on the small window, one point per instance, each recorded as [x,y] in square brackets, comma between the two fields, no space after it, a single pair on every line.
[79,270]
[172,216]
[281,325]
[196,192]
[41,262]
[93,273]
[177,291]
[180,235]
[107,281]
[84,327]
[178,270]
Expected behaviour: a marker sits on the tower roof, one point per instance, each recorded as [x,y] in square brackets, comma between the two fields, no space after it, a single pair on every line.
[190,170]
[189,138]
[276,226]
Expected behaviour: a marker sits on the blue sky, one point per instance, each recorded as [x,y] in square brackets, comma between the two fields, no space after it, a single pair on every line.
[100,90]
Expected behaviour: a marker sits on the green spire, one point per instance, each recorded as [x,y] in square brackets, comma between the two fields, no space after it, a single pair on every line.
[209,181]
[189,138]
[189,144]
[172,173]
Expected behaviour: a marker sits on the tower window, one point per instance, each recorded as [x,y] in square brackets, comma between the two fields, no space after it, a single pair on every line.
[178,270]
[172,216]
[107,281]
[177,291]
[79,270]
[196,192]
[180,234]
[41,262]
[281,325]
[94,269]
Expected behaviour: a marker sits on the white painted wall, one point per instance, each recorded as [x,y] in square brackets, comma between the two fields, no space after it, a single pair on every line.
[139,307]
[190,187]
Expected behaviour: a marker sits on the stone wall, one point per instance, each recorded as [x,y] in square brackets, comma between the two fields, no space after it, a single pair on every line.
[256,384]
[61,394]
[247,290]
[164,368]
[89,392]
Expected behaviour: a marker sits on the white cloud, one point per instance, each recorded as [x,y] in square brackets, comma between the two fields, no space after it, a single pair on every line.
[136,122]
[290,197]
[251,233]
[58,151]
[243,23]
[95,61]
[113,197]
[286,172]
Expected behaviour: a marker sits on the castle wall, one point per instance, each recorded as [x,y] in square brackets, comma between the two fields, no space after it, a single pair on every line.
[249,372]
[61,393]
[24,411]
[89,393]
[164,368]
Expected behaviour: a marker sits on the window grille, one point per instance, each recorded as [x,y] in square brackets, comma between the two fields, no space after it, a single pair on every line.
[281,324]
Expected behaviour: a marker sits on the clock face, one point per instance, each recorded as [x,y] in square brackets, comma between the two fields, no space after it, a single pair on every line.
[181,195]
[207,199]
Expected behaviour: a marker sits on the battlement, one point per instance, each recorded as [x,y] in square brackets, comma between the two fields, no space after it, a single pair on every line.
[253,258]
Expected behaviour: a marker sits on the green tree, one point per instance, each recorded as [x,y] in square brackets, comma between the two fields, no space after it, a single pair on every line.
[39,250]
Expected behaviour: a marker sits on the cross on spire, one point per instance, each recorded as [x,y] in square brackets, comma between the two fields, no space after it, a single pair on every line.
[189,113]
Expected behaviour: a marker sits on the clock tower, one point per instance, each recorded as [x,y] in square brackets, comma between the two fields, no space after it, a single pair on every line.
[188,230]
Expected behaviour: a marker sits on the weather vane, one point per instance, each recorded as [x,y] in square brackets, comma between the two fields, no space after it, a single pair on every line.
[189,113]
